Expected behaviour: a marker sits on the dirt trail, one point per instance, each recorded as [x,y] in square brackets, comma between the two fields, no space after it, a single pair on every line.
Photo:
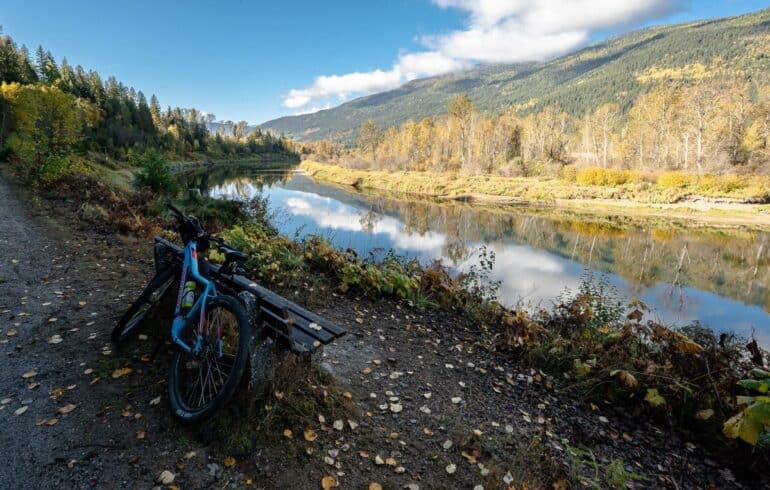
[433,403]
[60,291]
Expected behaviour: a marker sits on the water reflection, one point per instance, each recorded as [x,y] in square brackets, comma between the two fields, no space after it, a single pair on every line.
[717,277]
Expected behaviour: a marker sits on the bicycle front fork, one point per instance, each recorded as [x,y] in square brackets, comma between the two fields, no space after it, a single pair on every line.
[177,327]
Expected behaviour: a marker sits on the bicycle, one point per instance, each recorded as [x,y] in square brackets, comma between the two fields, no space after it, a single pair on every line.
[211,338]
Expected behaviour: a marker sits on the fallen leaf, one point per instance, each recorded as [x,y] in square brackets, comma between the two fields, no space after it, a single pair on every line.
[704,414]
[328,482]
[51,422]
[654,398]
[29,374]
[21,410]
[310,435]
[66,409]
[121,372]
[375,486]
[229,462]
[288,434]
[155,401]
[451,468]
[141,435]
[339,425]
[166,478]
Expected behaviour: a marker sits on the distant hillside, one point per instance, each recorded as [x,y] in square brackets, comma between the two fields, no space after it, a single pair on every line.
[615,70]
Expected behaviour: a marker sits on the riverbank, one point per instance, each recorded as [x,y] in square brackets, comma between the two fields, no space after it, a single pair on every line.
[736,207]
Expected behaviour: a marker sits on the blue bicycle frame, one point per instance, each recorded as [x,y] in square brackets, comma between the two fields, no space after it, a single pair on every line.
[199,308]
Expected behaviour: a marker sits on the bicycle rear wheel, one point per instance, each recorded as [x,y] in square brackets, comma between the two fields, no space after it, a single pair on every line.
[151,296]
[199,384]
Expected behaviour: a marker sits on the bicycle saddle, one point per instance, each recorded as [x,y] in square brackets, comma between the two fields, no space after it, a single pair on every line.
[232,255]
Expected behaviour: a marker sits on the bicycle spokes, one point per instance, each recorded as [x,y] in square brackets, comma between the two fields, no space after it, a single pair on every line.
[207,371]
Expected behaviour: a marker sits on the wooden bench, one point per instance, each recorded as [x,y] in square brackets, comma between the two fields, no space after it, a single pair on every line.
[302,330]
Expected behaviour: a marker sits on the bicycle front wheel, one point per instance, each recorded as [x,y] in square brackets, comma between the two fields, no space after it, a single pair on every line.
[201,383]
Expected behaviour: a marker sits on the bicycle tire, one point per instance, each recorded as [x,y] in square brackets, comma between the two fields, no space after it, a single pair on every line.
[179,407]
[155,291]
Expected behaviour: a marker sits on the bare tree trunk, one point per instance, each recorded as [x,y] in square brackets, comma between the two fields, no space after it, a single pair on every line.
[686,151]
[604,146]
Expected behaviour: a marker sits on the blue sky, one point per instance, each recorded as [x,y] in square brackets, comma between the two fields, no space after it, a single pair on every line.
[259,60]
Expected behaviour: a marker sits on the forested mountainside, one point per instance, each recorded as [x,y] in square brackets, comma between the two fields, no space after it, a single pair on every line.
[54,114]
[617,70]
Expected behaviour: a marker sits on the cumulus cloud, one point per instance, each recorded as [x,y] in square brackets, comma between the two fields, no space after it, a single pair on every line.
[496,31]
[408,67]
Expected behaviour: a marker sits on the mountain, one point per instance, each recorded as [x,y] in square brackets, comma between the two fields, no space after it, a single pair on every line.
[617,69]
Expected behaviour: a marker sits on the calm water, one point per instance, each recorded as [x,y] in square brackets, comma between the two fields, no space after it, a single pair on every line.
[719,277]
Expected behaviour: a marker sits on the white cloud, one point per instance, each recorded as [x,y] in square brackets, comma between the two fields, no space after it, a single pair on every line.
[408,67]
[496,31]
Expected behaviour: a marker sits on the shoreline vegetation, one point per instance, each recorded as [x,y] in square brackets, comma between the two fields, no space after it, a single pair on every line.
[744,204]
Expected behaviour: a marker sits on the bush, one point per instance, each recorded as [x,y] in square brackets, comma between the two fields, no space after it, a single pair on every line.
[568,173]
[721,184]
[603,176]
[154,174]
[675,180]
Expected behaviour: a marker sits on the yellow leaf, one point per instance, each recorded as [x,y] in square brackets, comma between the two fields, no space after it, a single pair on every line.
[731,427]
[375,486]
[121,372]
[704,414]
[141,435]
[66,409]
[628,379]
[229,462]
[581,368]
[288,434]
[328,482]
[310,435]
[654,398]
[744,427]
[684,344]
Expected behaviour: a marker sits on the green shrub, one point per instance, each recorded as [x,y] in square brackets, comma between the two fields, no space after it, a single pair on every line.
[154,174]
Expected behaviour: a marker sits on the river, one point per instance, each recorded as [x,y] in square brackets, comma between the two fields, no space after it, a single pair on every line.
[716,276]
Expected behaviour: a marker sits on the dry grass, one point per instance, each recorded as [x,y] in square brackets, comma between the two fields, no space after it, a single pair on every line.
[590,183]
